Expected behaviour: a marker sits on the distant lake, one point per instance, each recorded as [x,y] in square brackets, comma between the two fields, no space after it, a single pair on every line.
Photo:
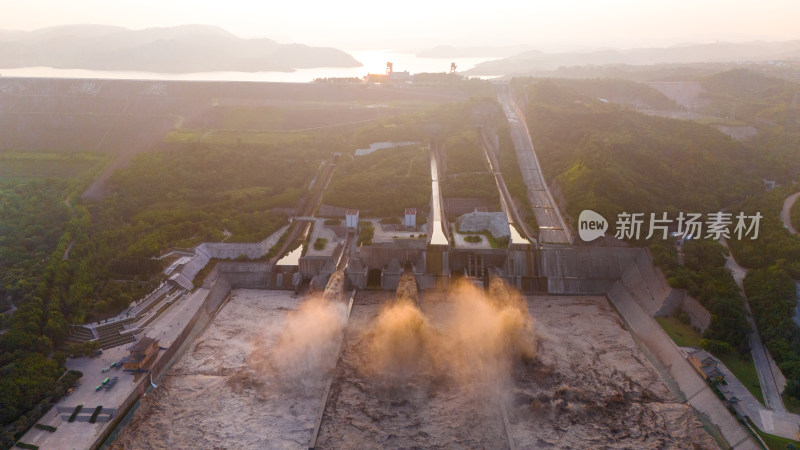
[374,62]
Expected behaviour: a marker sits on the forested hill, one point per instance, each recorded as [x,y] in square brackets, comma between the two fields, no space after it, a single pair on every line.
[602,156]
[183,49]
[771,105]
[612,159]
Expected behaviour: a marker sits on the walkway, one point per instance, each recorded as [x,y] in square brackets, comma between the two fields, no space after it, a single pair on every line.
[769,375]
[779,423]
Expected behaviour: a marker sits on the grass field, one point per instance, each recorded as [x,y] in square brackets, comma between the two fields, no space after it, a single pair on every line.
[774,442]
[682,334]
[381,184]
[262,118]
[791,404]
[20,166]
[225,137]
[473,185]
[741,366]
[745,370]
[309,115]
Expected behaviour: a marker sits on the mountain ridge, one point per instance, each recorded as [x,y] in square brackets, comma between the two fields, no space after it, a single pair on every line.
[179,49]
[681,54]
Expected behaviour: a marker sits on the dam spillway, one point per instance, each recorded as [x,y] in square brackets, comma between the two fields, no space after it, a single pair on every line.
[227,390]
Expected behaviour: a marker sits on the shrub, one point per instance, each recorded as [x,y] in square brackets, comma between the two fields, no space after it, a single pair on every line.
[366,233]
[320,243]
[75,413]
[45,427]
[95,414]
[473,238]
[715,347]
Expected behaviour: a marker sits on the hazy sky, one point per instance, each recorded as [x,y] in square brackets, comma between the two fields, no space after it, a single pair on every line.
[416,24]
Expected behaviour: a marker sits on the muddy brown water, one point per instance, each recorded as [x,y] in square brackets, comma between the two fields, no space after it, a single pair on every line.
[586,384]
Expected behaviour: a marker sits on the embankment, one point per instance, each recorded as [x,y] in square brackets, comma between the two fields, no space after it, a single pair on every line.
[219,283]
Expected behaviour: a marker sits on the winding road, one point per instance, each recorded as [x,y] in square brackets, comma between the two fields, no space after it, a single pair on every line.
[786,216]
[774,418]
[767,376]
[786,213]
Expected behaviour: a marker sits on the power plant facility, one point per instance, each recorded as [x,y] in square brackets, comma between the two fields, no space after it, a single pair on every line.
[433,319]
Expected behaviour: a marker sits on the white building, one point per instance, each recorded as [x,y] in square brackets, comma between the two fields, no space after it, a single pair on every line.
[351,219]
[411,218]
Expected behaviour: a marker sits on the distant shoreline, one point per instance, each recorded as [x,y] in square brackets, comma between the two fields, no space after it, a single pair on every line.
[373,62]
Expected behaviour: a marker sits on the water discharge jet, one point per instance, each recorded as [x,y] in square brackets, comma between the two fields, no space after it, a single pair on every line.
[477,341]
[401,336]
[485,334]
[334,289]
[310,340]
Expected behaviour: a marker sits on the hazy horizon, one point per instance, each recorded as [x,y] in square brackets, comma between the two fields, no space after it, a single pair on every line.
[415,25]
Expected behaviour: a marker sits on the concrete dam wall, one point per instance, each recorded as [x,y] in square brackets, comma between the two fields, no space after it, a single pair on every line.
[636,299]
[583,270]
[615,272]
[647,286]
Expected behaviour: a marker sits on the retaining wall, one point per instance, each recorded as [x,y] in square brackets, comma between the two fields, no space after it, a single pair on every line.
[214,299]
[255,250]
[680,300]
[204,252]
[645,283]
[690,384]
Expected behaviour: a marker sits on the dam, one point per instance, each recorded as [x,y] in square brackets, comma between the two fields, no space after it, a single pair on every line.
[402,343]
[405,363]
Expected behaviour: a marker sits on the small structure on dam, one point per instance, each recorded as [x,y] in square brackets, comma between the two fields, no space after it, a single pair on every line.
[141,353]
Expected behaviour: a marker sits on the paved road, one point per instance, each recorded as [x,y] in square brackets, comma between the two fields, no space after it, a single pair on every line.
[786,212]
[780,423]
[552,228]
[768,373]
[787,222]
